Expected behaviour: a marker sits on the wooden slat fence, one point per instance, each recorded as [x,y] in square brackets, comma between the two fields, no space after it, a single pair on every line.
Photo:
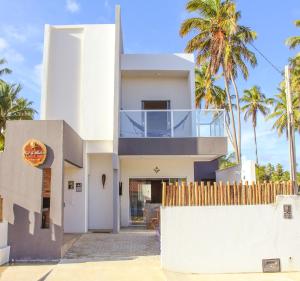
[200,194]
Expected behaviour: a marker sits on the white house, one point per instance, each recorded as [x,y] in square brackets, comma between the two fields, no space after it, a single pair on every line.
[113,127]
[136,114]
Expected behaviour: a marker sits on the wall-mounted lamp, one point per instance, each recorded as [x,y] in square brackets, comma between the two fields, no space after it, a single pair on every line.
[103,179]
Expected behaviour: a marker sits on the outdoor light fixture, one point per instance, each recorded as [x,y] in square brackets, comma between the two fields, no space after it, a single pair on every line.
[103,179]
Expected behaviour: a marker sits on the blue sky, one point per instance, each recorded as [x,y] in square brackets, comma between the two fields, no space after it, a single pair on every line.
[151,27]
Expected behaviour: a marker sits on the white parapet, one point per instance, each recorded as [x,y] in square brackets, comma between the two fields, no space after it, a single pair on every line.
[4,249]
[230,239]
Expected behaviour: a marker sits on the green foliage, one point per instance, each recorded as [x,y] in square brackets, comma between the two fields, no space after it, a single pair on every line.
[205,88]
[226,161]
[279,112]
[12,107]
[270,172]
[254,102]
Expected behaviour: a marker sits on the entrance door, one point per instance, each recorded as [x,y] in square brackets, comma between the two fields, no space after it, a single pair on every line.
[158,123]
[145,197]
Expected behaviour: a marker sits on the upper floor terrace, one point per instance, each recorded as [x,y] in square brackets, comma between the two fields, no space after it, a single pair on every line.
[198,132]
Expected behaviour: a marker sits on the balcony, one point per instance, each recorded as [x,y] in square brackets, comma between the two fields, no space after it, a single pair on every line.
[171,123]
[173,132]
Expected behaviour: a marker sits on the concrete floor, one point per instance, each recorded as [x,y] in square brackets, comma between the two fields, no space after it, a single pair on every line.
[132,255]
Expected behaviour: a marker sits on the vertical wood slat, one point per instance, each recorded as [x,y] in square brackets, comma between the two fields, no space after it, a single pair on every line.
[164,194]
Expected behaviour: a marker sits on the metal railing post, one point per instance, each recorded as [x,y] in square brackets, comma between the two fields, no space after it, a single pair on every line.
[145,123]
[172,124]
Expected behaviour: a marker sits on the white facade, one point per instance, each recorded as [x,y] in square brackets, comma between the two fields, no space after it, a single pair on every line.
[87,82]
[230,239]
[4,249]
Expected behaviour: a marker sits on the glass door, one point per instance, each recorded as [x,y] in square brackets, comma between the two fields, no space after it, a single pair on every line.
[158,122]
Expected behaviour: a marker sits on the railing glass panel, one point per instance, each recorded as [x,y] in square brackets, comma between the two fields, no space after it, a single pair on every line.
[171,123]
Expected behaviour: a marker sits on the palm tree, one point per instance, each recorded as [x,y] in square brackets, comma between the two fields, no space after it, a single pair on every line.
[221,43]
[12,107]
[294,41]
[280,112]
[4,70]
[255,102]
[205,88]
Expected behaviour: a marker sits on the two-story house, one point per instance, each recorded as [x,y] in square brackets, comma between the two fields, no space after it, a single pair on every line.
[129,123]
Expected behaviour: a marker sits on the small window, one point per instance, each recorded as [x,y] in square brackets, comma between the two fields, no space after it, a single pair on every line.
[46,195]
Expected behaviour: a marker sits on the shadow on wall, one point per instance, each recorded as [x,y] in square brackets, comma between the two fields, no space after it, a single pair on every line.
[40,244]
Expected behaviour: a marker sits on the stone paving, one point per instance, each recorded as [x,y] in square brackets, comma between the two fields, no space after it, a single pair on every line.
[127,244]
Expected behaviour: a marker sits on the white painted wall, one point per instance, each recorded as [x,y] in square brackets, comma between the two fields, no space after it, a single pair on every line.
[75,202]
[4,249]
[230,174]
[136,89]
[100,209]
[62,75]
[244,172]
[230,239]
[98,78]
[79,77]
[142,167]
[161,62]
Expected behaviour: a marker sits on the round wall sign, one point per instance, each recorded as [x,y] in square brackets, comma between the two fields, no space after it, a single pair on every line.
[34,152]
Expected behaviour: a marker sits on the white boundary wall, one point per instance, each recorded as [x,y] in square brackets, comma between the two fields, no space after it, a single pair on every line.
[230,239]
[4,249]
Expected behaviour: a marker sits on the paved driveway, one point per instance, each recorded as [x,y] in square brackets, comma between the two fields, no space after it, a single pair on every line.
[128,244]
[130,256]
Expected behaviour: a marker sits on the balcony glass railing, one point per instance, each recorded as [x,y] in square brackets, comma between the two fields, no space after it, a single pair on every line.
[171,123]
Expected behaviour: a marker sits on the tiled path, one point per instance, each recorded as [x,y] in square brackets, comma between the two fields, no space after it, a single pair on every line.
[128,244]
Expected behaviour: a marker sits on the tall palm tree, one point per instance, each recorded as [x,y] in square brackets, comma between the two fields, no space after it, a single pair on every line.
[3,70]
[255,102]
[12,107]
[280,112]
[220,42]
[205,88]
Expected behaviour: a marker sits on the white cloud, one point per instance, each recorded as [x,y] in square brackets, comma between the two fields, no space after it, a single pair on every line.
[15,33]
[72,6]
[3,44]
[10,54]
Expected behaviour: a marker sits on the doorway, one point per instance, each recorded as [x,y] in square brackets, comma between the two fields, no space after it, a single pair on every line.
[158,118]
[145,197]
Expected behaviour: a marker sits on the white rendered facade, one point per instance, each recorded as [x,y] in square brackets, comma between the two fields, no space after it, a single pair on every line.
[91,84]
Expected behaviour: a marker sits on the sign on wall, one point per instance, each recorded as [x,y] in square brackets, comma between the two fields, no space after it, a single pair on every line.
[34,152]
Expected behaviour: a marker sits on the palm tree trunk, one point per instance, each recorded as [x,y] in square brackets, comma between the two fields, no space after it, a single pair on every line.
[232,119]
[239,116]
[254,129]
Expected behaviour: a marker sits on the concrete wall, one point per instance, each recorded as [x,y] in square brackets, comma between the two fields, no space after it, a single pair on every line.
[230,239]
[4,249]
[244,172]
[100,207]
[74,202]
[230,174]
[153,87]
[162,62]
[79,78]
[142,167]
[21,188]
[210,148]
